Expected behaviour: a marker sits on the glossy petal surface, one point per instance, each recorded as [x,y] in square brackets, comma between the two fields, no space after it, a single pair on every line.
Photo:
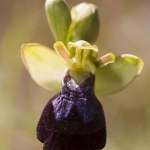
[44,65]
[116,76]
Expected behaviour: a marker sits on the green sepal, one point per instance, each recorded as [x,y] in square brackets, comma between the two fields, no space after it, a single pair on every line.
[59,18]
[116,76]
[44,65]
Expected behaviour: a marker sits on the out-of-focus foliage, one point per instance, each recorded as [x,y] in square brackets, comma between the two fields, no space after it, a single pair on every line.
[125,28]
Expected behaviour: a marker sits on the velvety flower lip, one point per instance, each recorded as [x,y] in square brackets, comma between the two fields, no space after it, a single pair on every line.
[75,114]
[74,119]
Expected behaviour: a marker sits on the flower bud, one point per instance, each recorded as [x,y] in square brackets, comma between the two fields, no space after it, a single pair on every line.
[85,24]
[59,18]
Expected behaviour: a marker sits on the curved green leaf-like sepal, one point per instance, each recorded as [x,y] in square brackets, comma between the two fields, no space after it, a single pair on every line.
[59,18]
[116,76]
[44,65]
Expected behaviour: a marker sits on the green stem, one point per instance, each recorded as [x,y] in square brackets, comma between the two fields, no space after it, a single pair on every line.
[71,28]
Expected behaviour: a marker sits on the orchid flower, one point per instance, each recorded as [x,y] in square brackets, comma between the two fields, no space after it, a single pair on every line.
[74,119]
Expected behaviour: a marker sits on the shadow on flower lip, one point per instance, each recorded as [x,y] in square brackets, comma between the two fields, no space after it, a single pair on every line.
[80,128]
[70,82]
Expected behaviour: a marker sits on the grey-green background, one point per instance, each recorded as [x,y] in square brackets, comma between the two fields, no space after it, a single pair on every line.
[124,28]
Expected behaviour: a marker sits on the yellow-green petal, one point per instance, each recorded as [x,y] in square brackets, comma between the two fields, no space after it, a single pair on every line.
[62,51]
[43,64]
[116,76]
[105,60]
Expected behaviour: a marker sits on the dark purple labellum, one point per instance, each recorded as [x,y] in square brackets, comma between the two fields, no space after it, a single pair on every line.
[73,119]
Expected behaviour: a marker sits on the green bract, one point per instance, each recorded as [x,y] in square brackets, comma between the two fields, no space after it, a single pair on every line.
[47,69]
[81,23]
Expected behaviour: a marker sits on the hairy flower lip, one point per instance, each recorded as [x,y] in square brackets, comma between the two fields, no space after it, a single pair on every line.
[80,128]
[74,113]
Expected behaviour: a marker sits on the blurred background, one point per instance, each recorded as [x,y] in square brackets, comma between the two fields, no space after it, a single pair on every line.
[124,28]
